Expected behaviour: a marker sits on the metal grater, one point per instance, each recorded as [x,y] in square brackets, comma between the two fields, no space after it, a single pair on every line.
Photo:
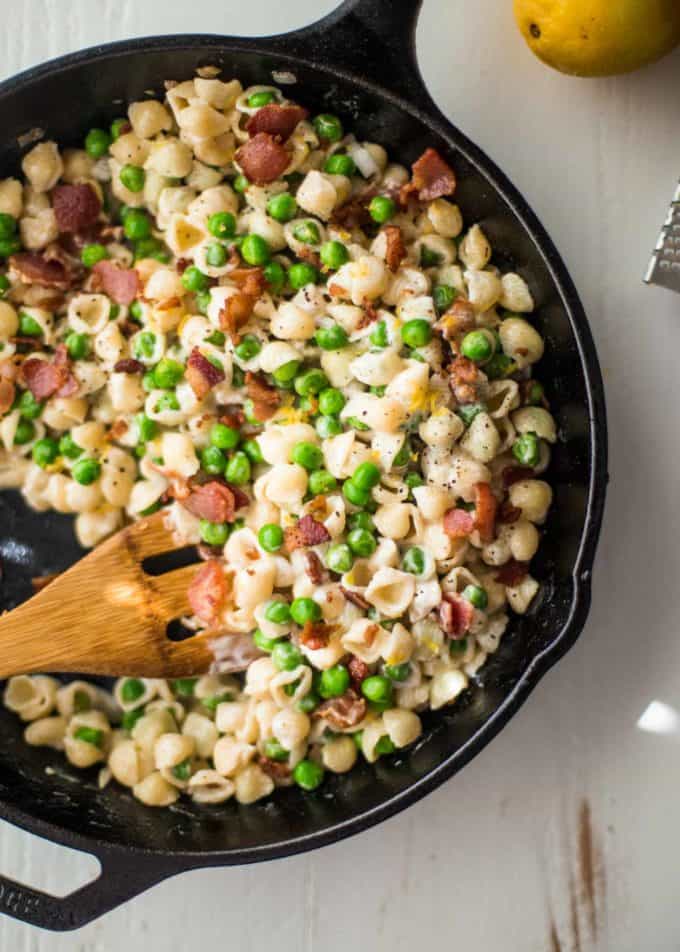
[664,268]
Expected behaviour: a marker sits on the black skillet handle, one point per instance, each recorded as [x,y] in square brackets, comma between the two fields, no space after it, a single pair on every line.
[118,881]
[374,39]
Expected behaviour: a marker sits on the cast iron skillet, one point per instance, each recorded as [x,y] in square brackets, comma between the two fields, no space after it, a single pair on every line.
[137,846]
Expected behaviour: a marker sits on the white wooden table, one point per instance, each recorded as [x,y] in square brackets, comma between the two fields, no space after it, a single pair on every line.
[494,860]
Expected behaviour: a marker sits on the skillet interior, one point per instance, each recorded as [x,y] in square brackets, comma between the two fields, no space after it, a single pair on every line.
[65,105]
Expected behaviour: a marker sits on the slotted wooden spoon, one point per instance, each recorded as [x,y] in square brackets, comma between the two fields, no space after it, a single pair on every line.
[106,615]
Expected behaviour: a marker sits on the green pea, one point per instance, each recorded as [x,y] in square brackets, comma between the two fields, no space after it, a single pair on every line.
[151,248]
[252,450]
[429,258]
[184,686]
[28,326]
[273,750]
[328,426]
[194,279]
[248,348]
[130,718]
[339,558]
[275,276]
[213,461]
[443,296]
[362,543]
[202,305]
[403,456]
[357,424]
[77,345]
[366,475]
[333,255]
[305,609]
[217,338]
[378,391]
[277,612]
[212,703]
[307,232]
[9,246]
[308,703]
[4,284]
[535,394]
[8,226]
[332,337]
[414,561]
[476,595]
[249,410]
[308,405]
[312,381]
[331,401]
[86,471]
[97,143]
[361,520]
[136,311]
[224,437]
[301,274]
[222,225]
[286,656]
[340,164]
[352,493]
[167,373]
[255,250]
[385,746]
[416,333]
[132,177]
[90,735]
[69,448]
[131,690]
[381,209]
[263,98]
[286,372]
[144,345]
[499,366]
[45,451]
[81,701]
[118,127]
[477,346]
[216,255]
[91,254]
[137,224]
[240,184]
[468,411]
[328,127]
[308,774]
[263,642]
[182,771]
[282,207]
[24,432]
[526,449]
[321,482]
[213,533]
[238,469]
[397,672]
[377,688]
[413,480]
[334,681]
[378,336]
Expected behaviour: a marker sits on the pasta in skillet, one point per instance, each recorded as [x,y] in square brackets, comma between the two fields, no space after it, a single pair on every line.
[247,317]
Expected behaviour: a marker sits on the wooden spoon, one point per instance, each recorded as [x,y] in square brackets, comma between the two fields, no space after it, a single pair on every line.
[106,615]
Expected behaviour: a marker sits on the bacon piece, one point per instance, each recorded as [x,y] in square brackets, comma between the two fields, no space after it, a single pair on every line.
[208,592]
[121,284]
[76,207]
[356,598]
[307,532]
[459,319]
[455,615]
[213,501]
[235,313]
[277,120]
[464,380]
[515,474]
[278,770]
[342,712]
[316,634]
[508,514]
[232,416]
[250,281]
[119,428]
[32,268]
[265,399]
[431,178]
[128,365]
[358,670]
[7,391]
[485,511]
[458,523]
[263,159]
[353,214]
[201,374]
[370,314]
[396,249]
[314,568]
[44,378]
[512,573]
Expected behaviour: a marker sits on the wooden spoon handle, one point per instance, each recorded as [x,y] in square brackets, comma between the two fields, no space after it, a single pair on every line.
[27,644]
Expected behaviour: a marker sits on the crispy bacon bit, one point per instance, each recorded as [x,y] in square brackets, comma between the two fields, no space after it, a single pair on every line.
[119,428]
[277,120]
[455,615]
[370,314]
[512,573]
[356,598]
[128,365]
[358,670]
[235,313]
[459,319]
[182,264]
[263,159]
[208,592]
[508,514]
[307,532]
[458,523]
[515,474]
[464,379]
[525,389]
[353,214]
[310,256]
[278,770]
[342,712]
[432,178]
[32,268]
[201,374]
[396,249]
[76,207]
[316,634]
[337,290]
[44,378]
[128,328]
[121,284]
[485,511]
[314,568]
[7,391]
[265,399]
[213,501]
[250,281]
[208,552]
[232,416]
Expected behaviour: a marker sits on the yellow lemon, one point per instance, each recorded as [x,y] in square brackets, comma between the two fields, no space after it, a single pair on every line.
[599,37]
